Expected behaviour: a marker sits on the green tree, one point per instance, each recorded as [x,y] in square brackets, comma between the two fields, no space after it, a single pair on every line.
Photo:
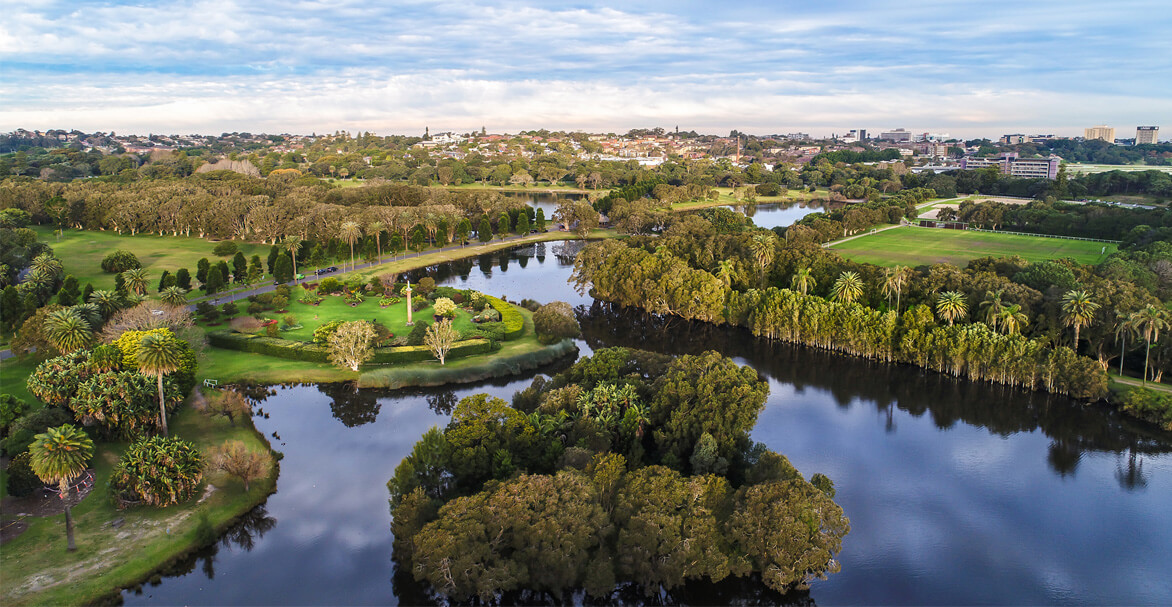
[292,246]
[107,301]
[202,267]
[350,232]
[951,306]
[350,345]
[158,355]
[158,471]
[60,455]
[993,307]
[1150,321]
[440,338]
[136,280]
[283,272]
[522,226]
[174,296]
[67,330]
[894,280]
[239,268]
[1012,319]
[802,281]
[183,279]
[1078,310]
[848,288]
[484,232]
[539,221]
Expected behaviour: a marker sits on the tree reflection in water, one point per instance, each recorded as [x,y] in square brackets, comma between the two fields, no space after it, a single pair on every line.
[243,535]
[349,405]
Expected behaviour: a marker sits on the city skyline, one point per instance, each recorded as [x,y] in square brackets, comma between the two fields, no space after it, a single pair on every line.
[222,66]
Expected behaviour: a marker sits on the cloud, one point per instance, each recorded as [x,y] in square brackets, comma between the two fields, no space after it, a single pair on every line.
[209,64]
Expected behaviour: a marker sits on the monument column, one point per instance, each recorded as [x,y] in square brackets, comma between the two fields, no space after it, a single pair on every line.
[408,291]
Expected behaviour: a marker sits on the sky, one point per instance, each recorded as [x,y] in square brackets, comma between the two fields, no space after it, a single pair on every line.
[212,66]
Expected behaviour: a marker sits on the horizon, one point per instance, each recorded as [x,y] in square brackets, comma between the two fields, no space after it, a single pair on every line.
[215,66]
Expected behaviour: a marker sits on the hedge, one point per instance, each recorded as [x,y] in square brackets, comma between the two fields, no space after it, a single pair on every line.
[499,366]
[513,320]
[310,352]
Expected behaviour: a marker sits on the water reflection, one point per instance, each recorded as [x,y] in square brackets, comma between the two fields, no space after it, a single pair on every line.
[349,405]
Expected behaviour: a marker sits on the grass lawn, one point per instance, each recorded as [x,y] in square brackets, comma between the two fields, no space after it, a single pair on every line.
[14,374]
[38,570]
[912,246]
[1082,169]
[81,251]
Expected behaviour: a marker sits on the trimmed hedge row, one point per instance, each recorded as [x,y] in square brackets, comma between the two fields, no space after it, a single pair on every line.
[513,320]
[310,352]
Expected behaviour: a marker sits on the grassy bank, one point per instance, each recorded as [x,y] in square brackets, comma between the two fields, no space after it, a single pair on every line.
[39,571]
[912,246]
[514,358]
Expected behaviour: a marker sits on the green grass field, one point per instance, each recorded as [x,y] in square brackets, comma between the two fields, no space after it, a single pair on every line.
[912,246]
[81,251]
[1083,169]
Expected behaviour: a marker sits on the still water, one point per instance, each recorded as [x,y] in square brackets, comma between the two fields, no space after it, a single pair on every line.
[958,493]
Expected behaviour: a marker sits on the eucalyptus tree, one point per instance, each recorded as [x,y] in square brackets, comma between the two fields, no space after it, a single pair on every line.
[951,306]
[1078,310]
[158,355]
[803,281]
[60,455]
[350,232]
[848,288]
[1150,321]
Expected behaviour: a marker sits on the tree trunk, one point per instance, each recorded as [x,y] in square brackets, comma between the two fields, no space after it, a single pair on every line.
[70,544]
[1122,354]
[162,407]
[1146,354]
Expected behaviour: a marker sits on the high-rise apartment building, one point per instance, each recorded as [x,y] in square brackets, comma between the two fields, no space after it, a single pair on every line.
[1146,134]
[1102,133]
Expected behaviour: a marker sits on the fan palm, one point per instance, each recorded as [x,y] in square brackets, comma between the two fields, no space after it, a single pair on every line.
[136,280]
[848,288]
[60,455]
[1078,310]
[293,245]
[158,355]
[1012,319]
[803,281]
[951,306]
[350,232]
[993,307]
[174,296]
[67,330]
[1150,321]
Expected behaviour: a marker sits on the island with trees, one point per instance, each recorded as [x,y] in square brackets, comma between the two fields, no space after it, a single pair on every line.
[628,472]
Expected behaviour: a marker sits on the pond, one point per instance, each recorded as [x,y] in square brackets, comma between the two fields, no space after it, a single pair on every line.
[957,492]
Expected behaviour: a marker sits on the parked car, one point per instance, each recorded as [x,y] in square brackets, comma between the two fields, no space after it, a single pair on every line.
[326,270]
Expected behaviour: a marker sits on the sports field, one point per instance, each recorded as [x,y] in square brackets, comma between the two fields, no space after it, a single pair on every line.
[913,246]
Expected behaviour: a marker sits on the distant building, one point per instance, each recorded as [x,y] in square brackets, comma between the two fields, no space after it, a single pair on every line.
[1146,134]
[1102,133]
[898,136]
[1010,164]
[1013,139]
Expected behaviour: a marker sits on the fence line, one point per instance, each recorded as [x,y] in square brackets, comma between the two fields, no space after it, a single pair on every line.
[1043,235]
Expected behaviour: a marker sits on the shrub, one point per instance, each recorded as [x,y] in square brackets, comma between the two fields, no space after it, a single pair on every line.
[255,309]
[514,320]
[11,409]
[123,404]
[311,298]
[280,348]
[554,322]
[530,304]
[265,299]
[230,309]
[289,320]
[226,248]
[489,315]
[246,324]
[418,333]
[419,302]
[22,480]
[389,301]
[280,302]
[478,301]
[329,285]
[106,357]
[272,330]
[445,307]
[157,471]
[236,459]
[1148,404]
[119,262]
[426,285]
[321,335]
[355,298]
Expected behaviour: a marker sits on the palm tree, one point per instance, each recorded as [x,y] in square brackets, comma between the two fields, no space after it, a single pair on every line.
[47,263]
[1124,327]
[848,288]
[763,246]
[350,232]
[993,307]
[1149,321]
[67,330]
[60,455]
[107,302]
[893,281]
[158,355]
[951,306]
[377,228]
[1012,319]
[174,296]
[136,280]
[1078,310]
[725,271]
[293,245]
[803,281]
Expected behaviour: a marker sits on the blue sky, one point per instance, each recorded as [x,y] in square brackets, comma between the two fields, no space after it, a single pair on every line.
[395,67]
